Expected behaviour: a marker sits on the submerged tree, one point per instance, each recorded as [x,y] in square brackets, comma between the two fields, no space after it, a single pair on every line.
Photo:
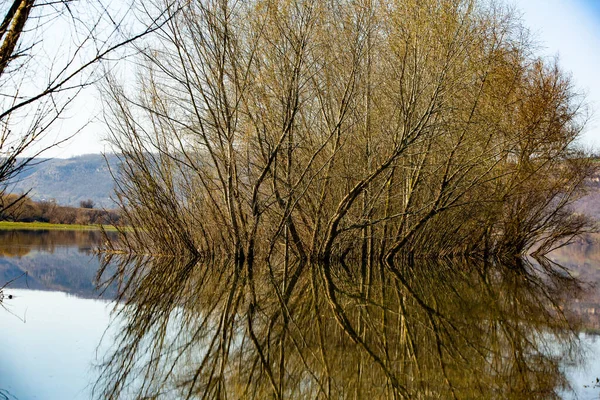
[265,140]
[306,129]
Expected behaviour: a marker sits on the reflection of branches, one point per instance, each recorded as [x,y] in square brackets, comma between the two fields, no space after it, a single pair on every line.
[5,395]
[24,274]
[10,296]
[464,330]
[22,319]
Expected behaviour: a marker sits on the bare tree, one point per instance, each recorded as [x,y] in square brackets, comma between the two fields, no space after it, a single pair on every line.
[49,53]
[89,203]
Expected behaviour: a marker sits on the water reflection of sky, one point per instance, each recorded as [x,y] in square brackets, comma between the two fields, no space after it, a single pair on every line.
[54,260]
[50,355]
[53,324]
[583,378]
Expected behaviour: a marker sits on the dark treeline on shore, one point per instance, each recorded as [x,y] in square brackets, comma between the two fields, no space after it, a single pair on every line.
[20,208]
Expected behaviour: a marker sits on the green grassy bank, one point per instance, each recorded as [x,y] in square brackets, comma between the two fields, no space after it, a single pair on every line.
[7,225]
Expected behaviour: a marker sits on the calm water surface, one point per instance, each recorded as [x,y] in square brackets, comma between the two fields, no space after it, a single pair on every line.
[57,328]
[54,323]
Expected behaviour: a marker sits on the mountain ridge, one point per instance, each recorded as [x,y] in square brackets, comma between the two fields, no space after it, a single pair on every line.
[69,181]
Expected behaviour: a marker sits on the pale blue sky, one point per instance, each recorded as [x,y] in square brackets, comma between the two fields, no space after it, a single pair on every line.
[570,29]
[567,28]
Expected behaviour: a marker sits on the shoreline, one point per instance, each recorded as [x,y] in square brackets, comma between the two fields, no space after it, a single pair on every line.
[9,225]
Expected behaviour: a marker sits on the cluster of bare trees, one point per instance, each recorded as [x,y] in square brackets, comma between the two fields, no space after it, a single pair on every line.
[311,129]
[24,209]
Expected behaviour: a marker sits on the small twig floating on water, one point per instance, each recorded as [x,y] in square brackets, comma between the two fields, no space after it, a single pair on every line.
[10,296]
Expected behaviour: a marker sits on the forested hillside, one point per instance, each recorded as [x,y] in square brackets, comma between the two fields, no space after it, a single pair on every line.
[69,181]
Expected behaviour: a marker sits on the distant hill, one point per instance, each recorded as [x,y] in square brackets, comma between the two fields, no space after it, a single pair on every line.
[69,181]
[72,180]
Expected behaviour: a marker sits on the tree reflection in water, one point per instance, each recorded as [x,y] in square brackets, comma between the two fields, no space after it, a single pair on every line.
[426,330]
